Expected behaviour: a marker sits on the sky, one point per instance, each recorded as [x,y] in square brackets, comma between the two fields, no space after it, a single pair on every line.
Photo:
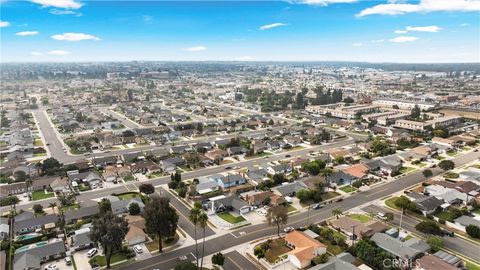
[420,31]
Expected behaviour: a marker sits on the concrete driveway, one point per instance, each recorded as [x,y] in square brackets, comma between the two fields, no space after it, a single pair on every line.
[81,259]
[60,263]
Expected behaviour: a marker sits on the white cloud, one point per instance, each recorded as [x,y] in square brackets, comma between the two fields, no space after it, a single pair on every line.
[36,53]
[195,49]
[58,52]
[74,37]
[464,24]
[321,2]
[270,26]
[378,40]
[431,28]
[4,24]
[402,39]
[27,33]
[55,11]
[400,31]
[245,58]
[69,4]
[423,6]
[357,44]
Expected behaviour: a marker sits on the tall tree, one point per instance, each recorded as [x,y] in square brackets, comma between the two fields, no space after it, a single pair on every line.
[160,219]
[277,216]
[53,205]
[104,206]
[109,230]
[193,217]
[202,220]
[326,173]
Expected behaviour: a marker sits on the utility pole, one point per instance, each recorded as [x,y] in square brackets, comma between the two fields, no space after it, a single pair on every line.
[353,236]
[400,227]
[308,212]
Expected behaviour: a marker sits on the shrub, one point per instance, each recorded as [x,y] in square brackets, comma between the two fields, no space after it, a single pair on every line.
[320,259]
[473,231]
[218,259]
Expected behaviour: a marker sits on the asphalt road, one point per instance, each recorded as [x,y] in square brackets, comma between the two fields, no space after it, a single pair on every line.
[458,244]
[183,213]
[236,261]
[250,233]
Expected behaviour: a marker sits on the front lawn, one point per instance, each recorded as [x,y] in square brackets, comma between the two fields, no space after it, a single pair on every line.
[348,189]
[451,175]
[230,218]
[290,208]
[153,245]
[451,153]
[128,178]
[360,217]
[277,248]
[38,142]
[258,155]
[477,211]
[391,203]
[154,175]
[128,195]
[40,195]
[101,261]
[329,195]
[39,154]
[471,266]
[406,169]
[83,187]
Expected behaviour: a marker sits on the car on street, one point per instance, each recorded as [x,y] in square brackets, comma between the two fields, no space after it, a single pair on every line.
[51,267]
[228,168]
[317,206]
[287,156]
[138,249]
[236,168]
[381,216]
[92,252]
[288,229]
[68,260]
[183,258]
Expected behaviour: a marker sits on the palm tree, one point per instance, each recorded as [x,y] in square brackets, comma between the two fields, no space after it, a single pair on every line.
[337,212]
[53,205]
[202,220]
[194,214]
[326,173]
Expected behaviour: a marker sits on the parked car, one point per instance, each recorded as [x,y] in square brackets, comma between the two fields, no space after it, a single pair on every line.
[448,233]
[381,216]
[317,206]
[288,229]
[51,267]
[92,252]
[68,260]
[138,249]
[228,168]
[287,156]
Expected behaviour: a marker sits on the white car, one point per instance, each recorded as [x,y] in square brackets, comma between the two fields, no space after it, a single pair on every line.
[51,267]
[288,229]
[92,252]
[138,249]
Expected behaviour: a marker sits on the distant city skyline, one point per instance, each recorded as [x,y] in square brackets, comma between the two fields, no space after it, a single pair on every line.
[425,31]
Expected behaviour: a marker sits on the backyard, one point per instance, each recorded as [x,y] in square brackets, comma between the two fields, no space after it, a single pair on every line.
[231,218]
[41,194]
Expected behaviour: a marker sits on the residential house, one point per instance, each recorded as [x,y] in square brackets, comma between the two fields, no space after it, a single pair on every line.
[426,204]
[256,176]
[72,216]
[216,154]
[206,185]
[81,239]
[122,206]
[32,224]
[407,250]
[305,247]
[452,193]
[236,150]
[30,257]
[228,203]
[280,168]
[343,261]
[432,262]
[256,197]
[90,177]
[359,171]
[145,166]
[231,180]
[289,189]
[351,227]
[462,222]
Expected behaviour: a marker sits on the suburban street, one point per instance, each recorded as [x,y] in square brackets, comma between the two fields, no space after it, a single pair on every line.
[456,243]
[250,233]
[96,193]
